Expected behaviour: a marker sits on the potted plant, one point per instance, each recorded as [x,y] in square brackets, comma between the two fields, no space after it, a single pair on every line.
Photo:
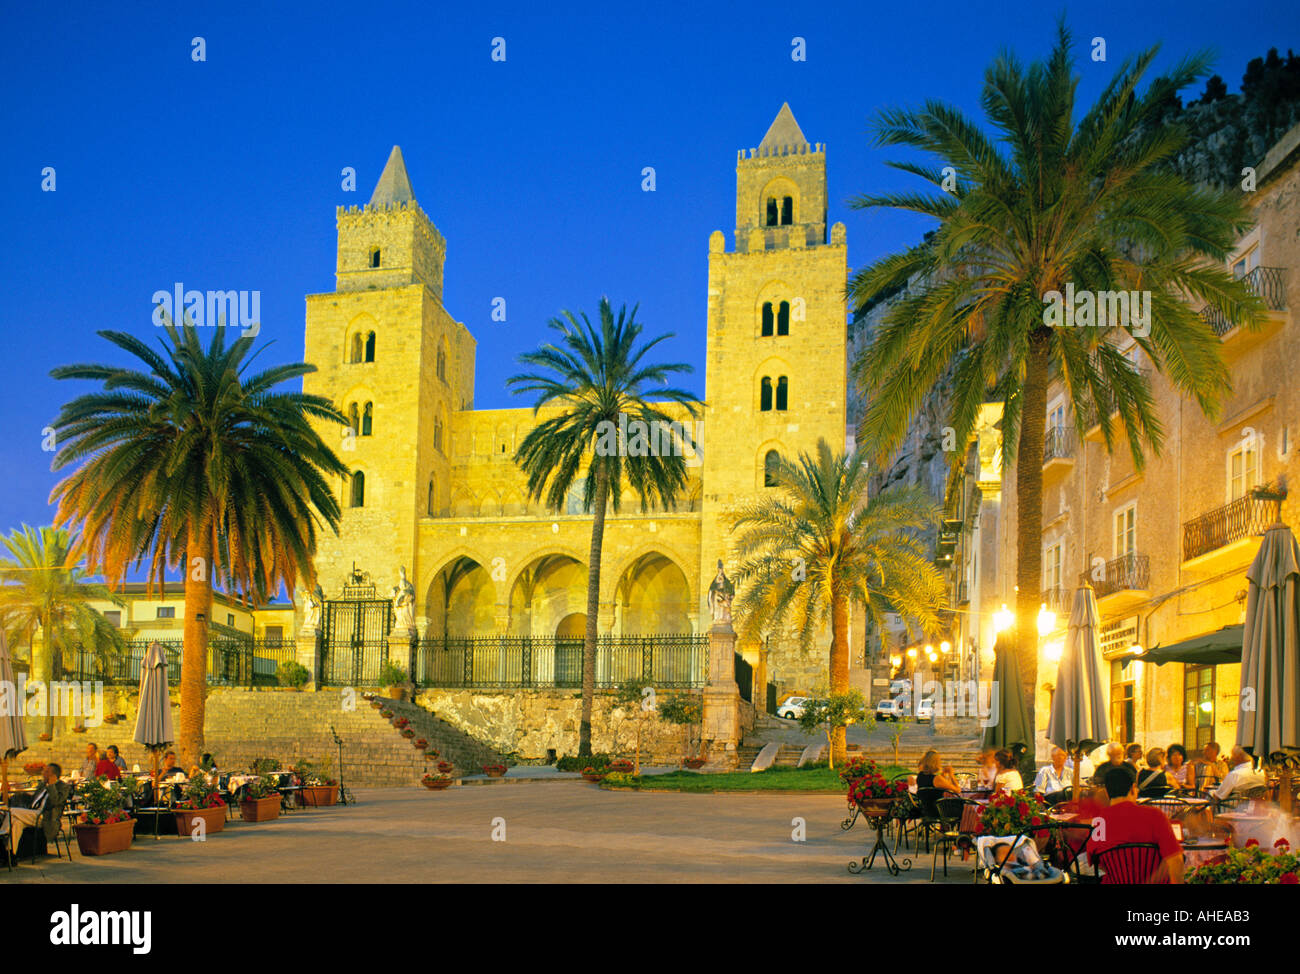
[376,703]
[79,728]
[621,766]
[292,674]
[594,774]
[393,679]
[420,743]
[319,787]
[436,781]
[432,753]
[445,767]
[869,790]
[494,770]
[1008,814]
[105,826]
[401,723]
[408,733]
[200,801]
[261,801]
[386,714]
[1250,866]
[34,768]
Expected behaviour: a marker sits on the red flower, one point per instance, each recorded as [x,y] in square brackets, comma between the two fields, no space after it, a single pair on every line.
[1289,879]
[1282,843]
[1036,820]
[979,828]
[1252,843]
[1023,808]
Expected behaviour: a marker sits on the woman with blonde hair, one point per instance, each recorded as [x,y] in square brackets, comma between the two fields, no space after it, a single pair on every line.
[934,774]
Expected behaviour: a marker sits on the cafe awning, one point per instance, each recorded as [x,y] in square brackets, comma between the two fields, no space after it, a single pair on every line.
[1222,646]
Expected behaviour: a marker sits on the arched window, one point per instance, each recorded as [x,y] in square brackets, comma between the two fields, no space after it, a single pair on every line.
[367,418]
[429,504]
[374,256]
[442,365]
[771,211]
[771,463]
[787,211]
[783,319]
[354,419]
[356,348]
[767,319]
[370,347]
[358,498]
[765,395]
[437,433]
[781,394]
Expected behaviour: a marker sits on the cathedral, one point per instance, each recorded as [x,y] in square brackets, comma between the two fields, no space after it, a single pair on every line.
[435,509]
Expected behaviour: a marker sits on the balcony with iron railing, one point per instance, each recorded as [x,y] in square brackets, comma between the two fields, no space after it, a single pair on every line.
[1121,583]
[1231,532]
[1266,283]
[1058,452]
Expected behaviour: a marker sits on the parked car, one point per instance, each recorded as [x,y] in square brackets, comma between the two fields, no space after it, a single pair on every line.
[792,708]
[891,709]
[925,711]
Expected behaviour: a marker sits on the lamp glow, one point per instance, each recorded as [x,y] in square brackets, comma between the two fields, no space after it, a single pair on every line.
[945,647]
[911,652]
[1003,619]
[1054,651]
[1046,620]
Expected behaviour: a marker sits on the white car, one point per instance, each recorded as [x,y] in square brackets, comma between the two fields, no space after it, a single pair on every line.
[925,711]
[792,709]
[890,709]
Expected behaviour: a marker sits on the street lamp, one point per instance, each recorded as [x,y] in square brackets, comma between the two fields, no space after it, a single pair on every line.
[1046,620]
[945,647]
[1003,619]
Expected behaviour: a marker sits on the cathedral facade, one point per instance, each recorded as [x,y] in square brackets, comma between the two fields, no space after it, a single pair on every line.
[434,488]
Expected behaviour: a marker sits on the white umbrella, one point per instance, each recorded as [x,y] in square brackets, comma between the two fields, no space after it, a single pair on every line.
[13,738]
[153,724]
[1079,703]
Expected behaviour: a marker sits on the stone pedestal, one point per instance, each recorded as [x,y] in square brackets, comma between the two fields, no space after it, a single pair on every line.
[307,653]
[721,731]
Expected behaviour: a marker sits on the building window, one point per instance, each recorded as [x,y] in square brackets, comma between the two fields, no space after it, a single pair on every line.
[429,509]
[771,464]
[367,419]
[437,434]
[771,211]
[1052,559]
[1246,263]
[230,619]
[166,612]
[370,347]
[783,319]
[1198,706]
[274,635]
[781,390]
[765,395]
[358,495]
[1243,469]
[358,348]
[1125,531]
[354,419]
[1121,700]
[442,365]
[767,319]
[374,257]
[114,618]
[787,211]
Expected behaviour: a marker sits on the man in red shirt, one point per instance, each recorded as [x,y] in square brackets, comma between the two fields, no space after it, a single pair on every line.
[1125,821]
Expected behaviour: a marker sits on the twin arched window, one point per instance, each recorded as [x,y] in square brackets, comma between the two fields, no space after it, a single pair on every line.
[363,348]
[766,401]
[776,324]
[780,212]
[361,419]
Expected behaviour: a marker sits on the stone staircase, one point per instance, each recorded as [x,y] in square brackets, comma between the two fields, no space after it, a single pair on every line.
[452,744]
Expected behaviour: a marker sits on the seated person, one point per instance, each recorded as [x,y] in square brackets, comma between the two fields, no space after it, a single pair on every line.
[1180,775]
[106,768]
[115,756]
[44,807]
[1124,821]
[988,771]
[932,774]
[208,763]
[1153,783]
[1053,779]
[1114,758]
[1008,778]
[91,760]
[170,769]
[1242,778]
[1023,862]
[1209,765]
[1133,756]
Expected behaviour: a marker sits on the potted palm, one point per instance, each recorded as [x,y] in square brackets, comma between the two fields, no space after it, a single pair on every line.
[393,679]
[105,826]
[261,801]
[200,801]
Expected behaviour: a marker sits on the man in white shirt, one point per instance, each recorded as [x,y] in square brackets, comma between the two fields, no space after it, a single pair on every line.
[1242,777]
[1054,778]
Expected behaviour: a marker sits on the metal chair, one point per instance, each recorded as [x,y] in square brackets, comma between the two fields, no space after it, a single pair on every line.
[1130,863]
[1067,842]
[949,809]
[930,821]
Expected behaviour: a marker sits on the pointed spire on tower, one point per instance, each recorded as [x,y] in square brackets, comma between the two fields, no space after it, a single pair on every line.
[394,185]
[783,131]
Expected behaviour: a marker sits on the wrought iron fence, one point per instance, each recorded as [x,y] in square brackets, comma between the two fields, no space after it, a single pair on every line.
[1058,443]
[497,662]
[1131,571]
[1245,517]
[230,662]
[1264,282]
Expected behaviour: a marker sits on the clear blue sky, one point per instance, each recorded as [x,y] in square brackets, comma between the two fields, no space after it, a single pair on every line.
[225,174]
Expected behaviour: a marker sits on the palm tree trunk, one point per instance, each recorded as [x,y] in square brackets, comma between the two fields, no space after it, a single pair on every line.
[1029,521]
[593,612]
[194,658]
[45,672]
[839,669]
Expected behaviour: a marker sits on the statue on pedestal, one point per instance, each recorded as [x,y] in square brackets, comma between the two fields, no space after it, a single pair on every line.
[403,594]
[315,604]
[721,592]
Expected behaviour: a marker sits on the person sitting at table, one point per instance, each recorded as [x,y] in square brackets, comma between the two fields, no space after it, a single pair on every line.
[44,807]
[1008,778]
[1133,756]
[1124,821]
[933,774]
[115,756]
[170,768]
[1114,759]
[1180,774]
[1210,765]
[1152,783]
[91,760]
[1053,779]
[988,771]
[208,763]
[106,768]
[1242,778]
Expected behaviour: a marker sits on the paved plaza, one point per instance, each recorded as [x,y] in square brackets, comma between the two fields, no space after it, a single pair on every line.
[554,831]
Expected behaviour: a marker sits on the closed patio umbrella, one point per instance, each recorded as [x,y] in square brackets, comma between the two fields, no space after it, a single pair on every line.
[1011,726]
[1079,704]
[1268,711]
[13,738]
[153,725]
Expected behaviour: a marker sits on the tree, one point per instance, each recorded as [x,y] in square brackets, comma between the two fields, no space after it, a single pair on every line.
[1050,204]
[196,464]
[597,378]
[818,543]
[833,714]
[41,588]
[635,700]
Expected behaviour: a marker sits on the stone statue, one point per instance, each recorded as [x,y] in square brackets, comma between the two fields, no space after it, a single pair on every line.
[721,592]
[312,610]
[403,594]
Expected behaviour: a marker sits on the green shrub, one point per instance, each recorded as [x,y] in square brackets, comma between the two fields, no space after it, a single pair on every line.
[574,763]
[390,674]
[291,673]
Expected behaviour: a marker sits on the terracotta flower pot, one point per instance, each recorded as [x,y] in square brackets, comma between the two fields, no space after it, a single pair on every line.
[594,776]
[493,772]
[876,807]
[319,796]
[260,809]
[100,840]
[436,784]
[395,693]
[214,819]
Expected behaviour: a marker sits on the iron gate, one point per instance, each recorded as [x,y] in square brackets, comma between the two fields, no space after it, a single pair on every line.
[355,641]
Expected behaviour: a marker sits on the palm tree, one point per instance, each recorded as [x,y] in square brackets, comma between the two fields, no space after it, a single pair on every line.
[819,543]
[42,589]
[1047,204]
[596,376]
[197,464]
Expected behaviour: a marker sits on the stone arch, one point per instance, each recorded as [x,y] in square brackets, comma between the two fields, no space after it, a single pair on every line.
[462,504]
[653,596]
[514,504]
[774,367]
[545,590]
[760,461]
[779,188]
[361,327]
[461,597]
